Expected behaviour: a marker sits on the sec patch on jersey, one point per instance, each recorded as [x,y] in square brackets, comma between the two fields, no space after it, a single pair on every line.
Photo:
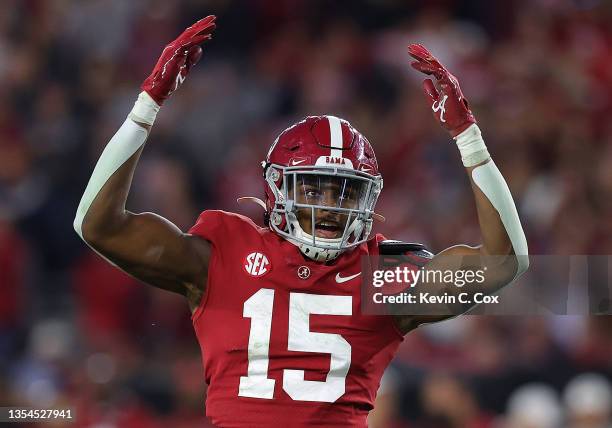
[257,264]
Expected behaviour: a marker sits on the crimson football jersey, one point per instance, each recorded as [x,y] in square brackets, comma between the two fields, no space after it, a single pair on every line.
[283,339]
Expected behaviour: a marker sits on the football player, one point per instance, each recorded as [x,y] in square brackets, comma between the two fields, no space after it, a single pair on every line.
[276,309]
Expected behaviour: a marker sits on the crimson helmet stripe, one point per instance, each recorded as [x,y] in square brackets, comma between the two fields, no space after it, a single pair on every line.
[335,133]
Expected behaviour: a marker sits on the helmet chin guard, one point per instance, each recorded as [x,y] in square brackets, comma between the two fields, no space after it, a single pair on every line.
[321,253]
[322,184]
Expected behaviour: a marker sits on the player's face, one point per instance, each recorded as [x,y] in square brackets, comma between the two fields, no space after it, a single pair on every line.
[326,191]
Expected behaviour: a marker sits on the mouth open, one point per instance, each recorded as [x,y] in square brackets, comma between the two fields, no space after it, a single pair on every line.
[328,229]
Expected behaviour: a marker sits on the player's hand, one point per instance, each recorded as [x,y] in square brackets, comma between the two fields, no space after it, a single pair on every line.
[176,60]
[447,102]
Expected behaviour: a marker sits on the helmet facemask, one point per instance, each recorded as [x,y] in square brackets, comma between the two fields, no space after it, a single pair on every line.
[323,210]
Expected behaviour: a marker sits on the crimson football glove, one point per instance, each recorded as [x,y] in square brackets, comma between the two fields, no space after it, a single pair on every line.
[448,104]
[176,60]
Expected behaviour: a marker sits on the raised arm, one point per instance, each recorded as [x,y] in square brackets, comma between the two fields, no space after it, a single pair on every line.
[500,226]
[145,245]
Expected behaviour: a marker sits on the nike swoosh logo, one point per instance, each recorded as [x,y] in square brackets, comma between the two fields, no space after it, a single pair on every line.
[341,279]
[297,161]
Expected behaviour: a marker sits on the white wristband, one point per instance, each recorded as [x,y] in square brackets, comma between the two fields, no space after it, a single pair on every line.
[471,146]
[145,109]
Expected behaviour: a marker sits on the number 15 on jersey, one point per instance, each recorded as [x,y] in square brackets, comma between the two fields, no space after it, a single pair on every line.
[258,308]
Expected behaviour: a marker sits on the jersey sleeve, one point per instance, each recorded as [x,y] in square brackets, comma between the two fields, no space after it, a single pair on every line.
[222,230]
[210,225]
[218,227]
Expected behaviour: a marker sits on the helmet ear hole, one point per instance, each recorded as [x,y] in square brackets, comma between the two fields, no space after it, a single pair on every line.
[276,218]
[274,174]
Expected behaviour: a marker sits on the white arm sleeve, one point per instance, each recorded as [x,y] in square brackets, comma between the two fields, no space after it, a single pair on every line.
[129,138]
[488,179]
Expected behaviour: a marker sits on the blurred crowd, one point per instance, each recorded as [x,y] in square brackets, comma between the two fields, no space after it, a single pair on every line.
[75,332]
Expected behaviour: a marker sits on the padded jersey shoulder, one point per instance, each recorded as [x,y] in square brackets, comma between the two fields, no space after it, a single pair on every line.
[215,224]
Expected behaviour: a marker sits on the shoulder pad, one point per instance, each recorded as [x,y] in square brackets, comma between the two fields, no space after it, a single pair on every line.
[396,248]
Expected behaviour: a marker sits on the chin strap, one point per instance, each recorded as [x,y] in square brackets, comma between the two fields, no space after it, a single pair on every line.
[258,201]
[378,217]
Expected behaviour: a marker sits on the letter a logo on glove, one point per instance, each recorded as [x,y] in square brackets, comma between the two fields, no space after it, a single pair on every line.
[439,107]
[179,80]
[445,96]
[177,59]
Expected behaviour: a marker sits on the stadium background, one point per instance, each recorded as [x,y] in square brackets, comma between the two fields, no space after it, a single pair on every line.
[75,332]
